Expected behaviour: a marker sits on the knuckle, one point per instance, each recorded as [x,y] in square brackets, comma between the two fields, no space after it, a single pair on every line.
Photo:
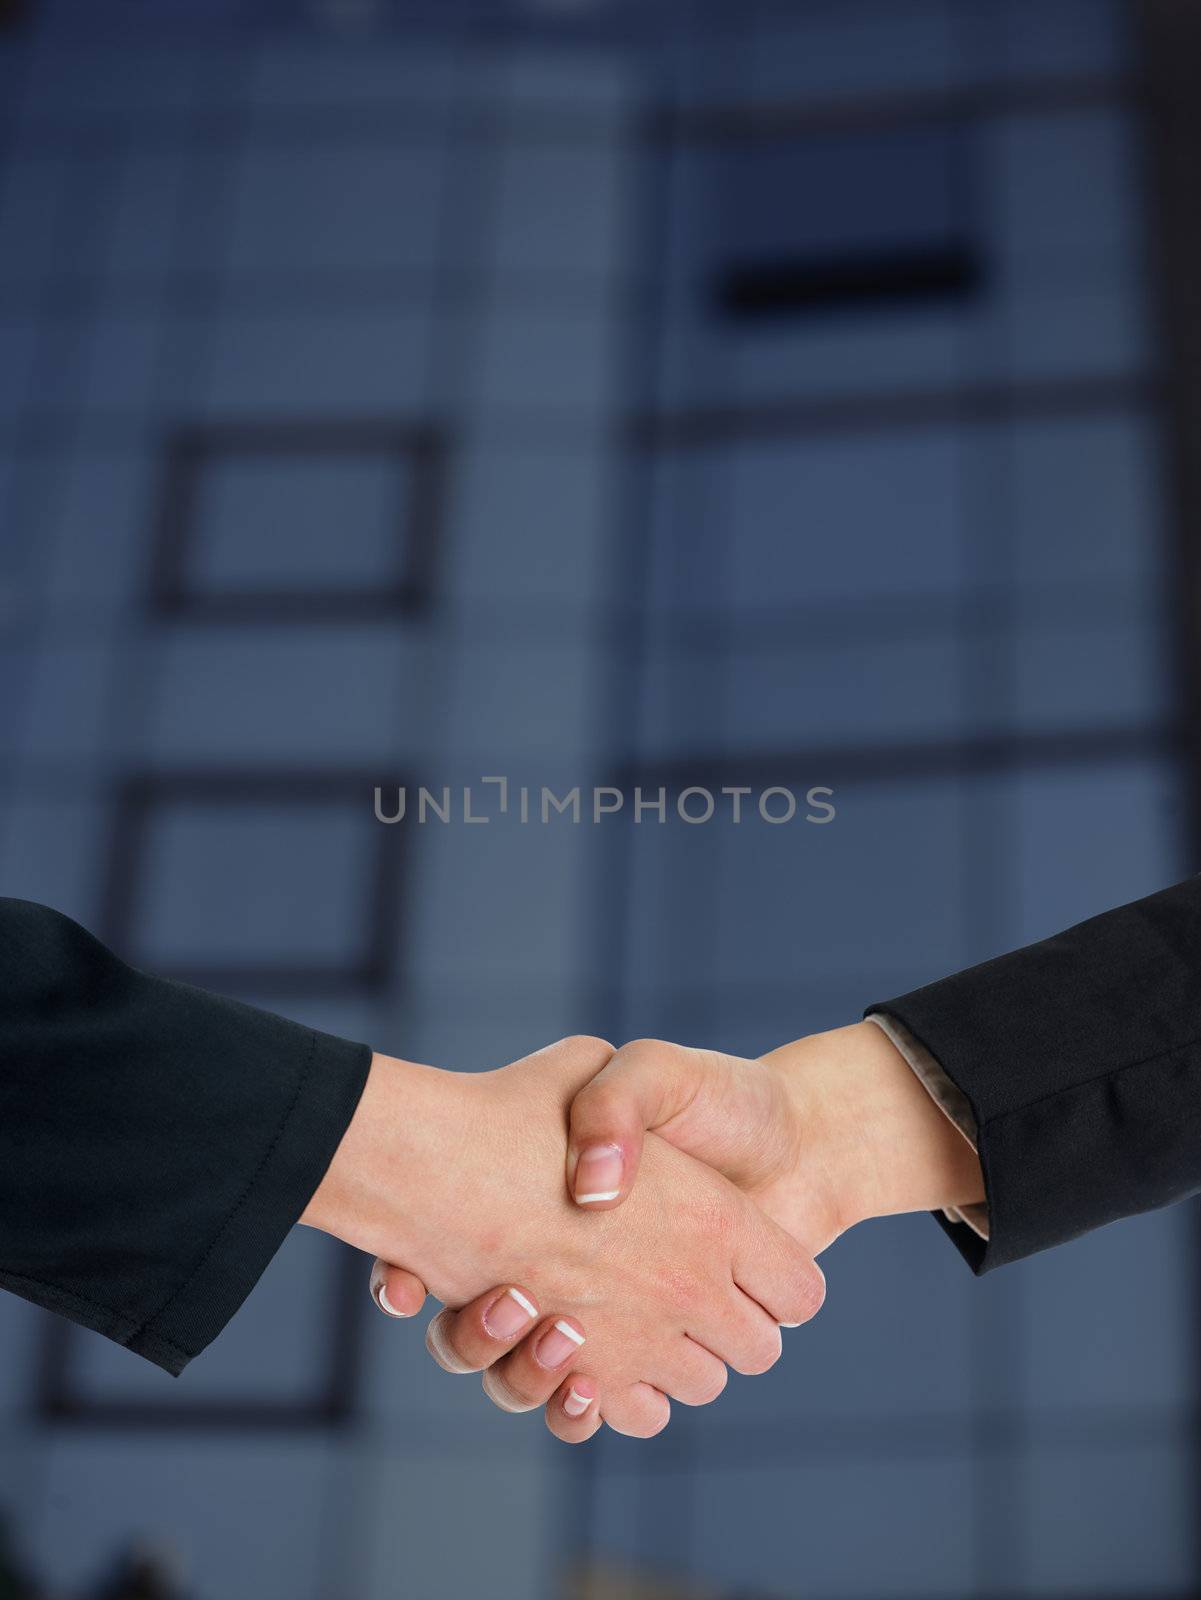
[762,1353]
[710,1388]
[639,1050]
[588,1044]
[803,1296]
[638,1415]
[806,1295]
[603,1100]
[654,1423]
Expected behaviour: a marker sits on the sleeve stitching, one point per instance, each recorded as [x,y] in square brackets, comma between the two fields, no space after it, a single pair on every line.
[115,1324]
[114,1318]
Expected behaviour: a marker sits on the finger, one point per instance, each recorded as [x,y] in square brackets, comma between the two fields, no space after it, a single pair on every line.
[527,1377]
[396,1292]
[481,1332]
[639,1411]
[696,1376]
[737,1331]
[572,1413]
[773,1269]
[644,1085]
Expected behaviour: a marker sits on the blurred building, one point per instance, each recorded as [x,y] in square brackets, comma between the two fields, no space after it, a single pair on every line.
[589,392]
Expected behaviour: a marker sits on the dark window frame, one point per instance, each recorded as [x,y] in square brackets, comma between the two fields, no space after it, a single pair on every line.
[190,451]
[140,796]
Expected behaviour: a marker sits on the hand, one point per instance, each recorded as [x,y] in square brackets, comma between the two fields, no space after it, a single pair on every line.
[822,1133]
[460,1177]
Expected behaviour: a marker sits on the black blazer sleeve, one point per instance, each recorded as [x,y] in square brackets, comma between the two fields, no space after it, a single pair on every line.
[156,1142]
[1081,1059]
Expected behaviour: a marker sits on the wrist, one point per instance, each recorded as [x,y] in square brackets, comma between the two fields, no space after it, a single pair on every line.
[869,1127]
[389,1171]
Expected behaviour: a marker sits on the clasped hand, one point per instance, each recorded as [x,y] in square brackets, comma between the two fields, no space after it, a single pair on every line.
[511,1195]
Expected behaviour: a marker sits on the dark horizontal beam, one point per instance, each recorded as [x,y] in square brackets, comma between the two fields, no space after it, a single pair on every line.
[41,431]
[254,1416]
[905,409]
[737,123]
[924,760]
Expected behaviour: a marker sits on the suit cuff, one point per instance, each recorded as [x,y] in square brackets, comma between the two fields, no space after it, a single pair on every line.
[949,1099]
[303,1144]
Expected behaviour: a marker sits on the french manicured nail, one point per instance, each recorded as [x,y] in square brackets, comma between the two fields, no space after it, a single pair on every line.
[508,1314]
[575,1404]
[557,1343]
[598,1174]
[380,1295]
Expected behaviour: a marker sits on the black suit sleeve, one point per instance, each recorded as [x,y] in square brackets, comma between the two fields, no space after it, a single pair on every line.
[1081,1058]
[156,1142]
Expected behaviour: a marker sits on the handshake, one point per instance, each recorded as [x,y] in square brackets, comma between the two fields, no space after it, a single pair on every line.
[618,1228]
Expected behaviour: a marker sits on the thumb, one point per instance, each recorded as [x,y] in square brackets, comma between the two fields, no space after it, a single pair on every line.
[396,1292]
[644,1085]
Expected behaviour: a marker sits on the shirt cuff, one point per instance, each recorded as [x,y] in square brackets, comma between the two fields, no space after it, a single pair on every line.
[949,1099]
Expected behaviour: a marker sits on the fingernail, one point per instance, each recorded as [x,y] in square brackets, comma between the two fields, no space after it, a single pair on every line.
[790,1324]
[508,1314]
[386,1305]
[380,1295]
[598,1174]
[557,1343]
[575,1404]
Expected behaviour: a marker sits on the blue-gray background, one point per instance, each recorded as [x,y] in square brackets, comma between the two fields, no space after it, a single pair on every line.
[913,548]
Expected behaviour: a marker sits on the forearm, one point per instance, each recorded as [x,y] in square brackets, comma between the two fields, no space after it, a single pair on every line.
[871,1140]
